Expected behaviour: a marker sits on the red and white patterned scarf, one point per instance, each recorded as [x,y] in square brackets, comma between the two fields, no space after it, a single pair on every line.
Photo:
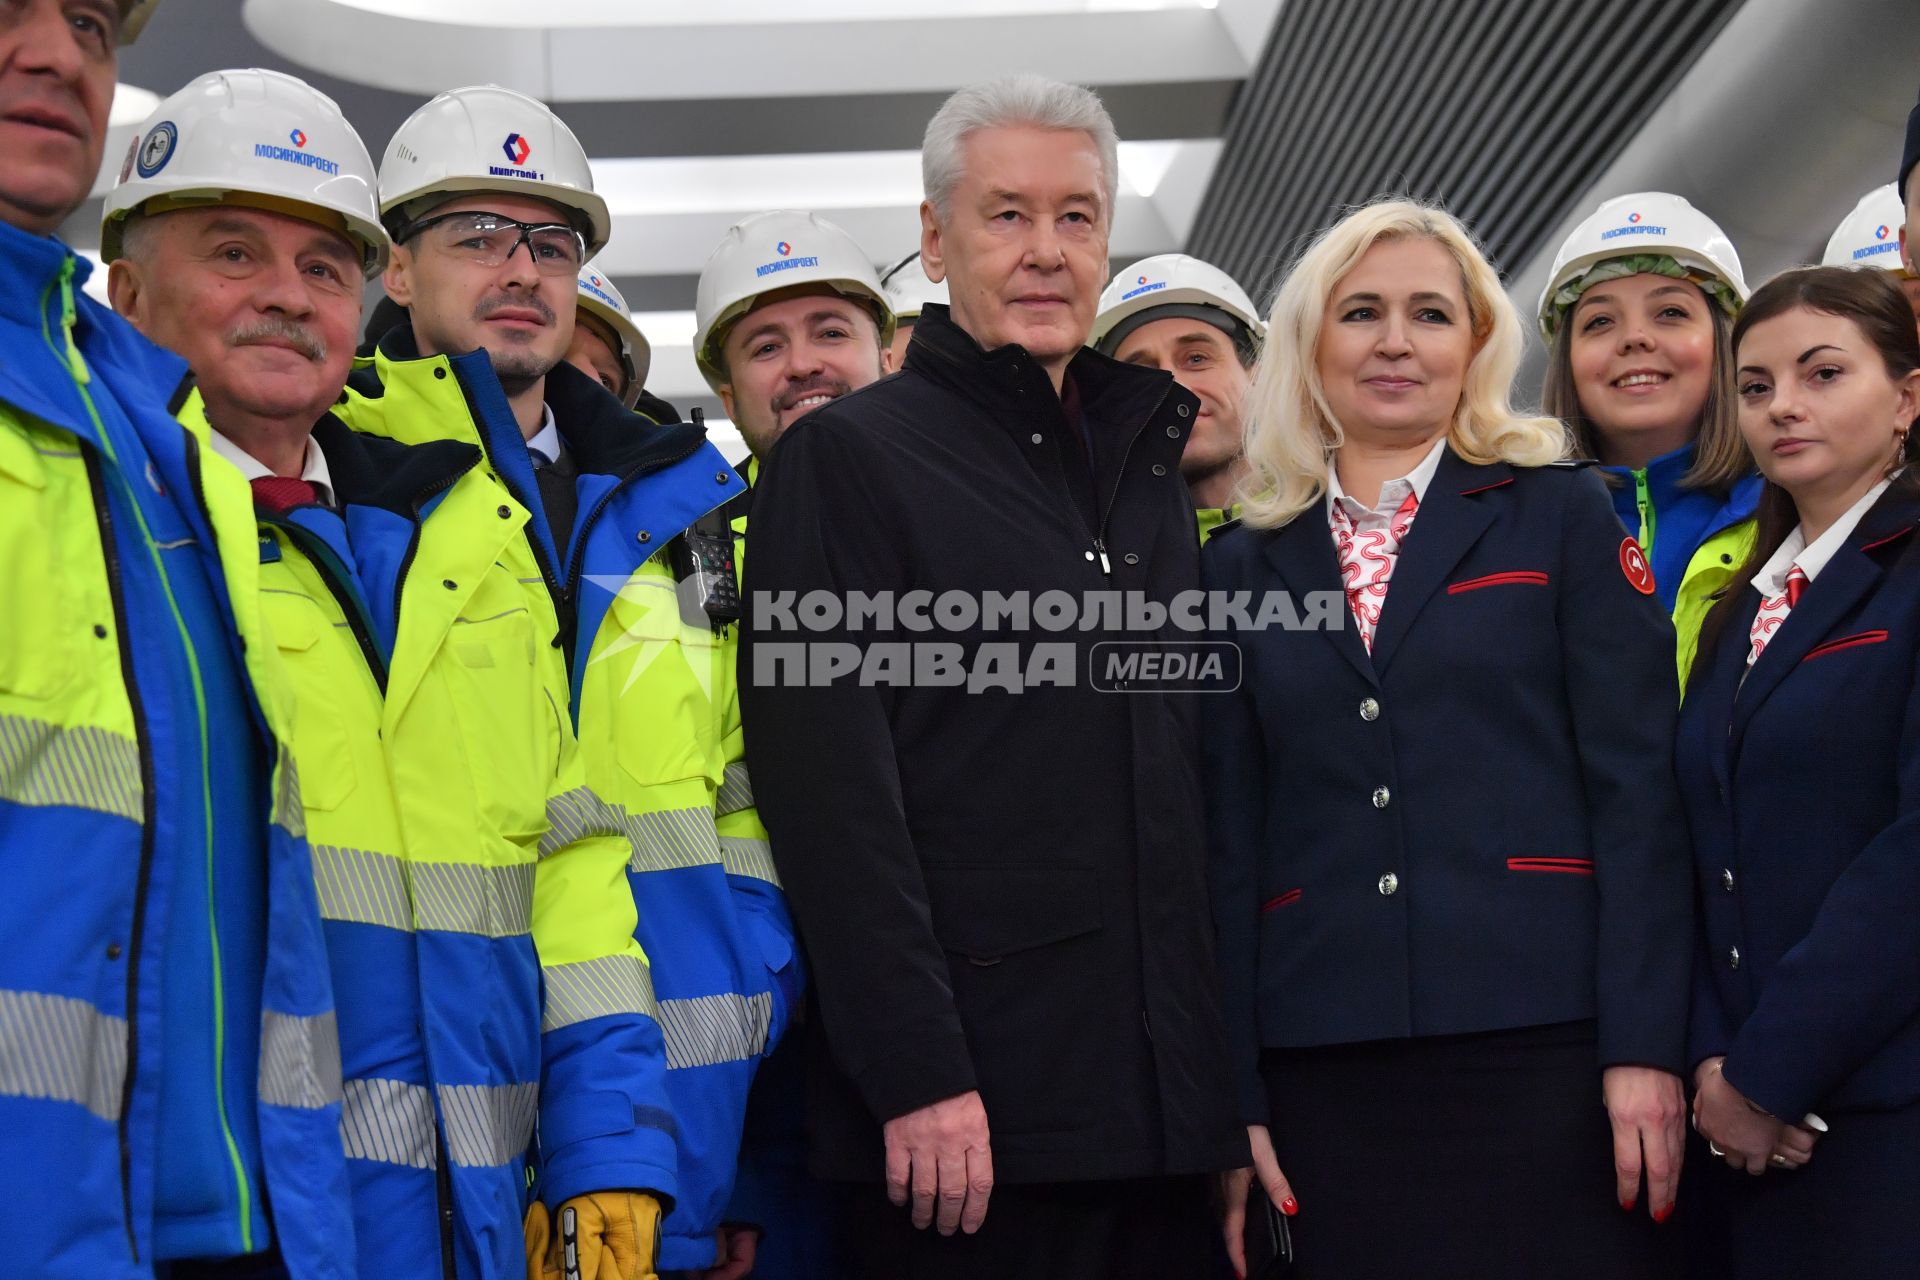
[1367,559]
[1773,612]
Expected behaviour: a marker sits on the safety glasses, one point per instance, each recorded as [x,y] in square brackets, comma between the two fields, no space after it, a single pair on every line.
[489,239]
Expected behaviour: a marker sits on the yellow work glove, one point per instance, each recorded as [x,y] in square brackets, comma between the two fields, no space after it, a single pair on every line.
[615,1236]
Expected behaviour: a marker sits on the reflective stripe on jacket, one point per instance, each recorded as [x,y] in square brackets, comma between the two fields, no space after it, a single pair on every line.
[658,709]
[425,811]
[603,1116]
[105,505]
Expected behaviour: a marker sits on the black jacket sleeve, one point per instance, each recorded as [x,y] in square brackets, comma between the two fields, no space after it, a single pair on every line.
[825,778]
[1622,695]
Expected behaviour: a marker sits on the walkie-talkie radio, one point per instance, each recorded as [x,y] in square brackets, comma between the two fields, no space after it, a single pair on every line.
[709,585]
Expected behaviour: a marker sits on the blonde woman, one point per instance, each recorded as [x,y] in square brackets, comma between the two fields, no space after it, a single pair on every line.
[1450,886]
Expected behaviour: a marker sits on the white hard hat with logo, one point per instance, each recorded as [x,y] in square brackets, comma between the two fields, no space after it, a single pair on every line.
[1169,279]
[1870,235]
[777,250]
[250,137]
[601,299]
[1647,223]
[909,290]
[485,138]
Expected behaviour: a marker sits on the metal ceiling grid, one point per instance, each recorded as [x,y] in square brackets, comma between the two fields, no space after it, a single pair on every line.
[1503,110]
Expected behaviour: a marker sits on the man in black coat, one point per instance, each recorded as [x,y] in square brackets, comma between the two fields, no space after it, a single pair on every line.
[989,831]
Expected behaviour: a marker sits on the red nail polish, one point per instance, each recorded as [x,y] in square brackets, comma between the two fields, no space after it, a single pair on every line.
[1289,1206]
[1661,1215]
[1628,1204]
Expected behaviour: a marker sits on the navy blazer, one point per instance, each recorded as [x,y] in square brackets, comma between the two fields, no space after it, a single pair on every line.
[1476,827]
[1802,788]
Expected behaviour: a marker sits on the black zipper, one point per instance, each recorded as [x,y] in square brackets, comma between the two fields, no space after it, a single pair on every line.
[144,875]
[321,556]
[443,1190]
[1099,536]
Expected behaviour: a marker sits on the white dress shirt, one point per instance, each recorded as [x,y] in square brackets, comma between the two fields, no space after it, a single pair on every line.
[314,471]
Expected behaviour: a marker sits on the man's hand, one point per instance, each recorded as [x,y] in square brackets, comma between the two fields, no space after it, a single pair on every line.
[940,1155]
[616,1236]
[1647,1109]
[1236,1184]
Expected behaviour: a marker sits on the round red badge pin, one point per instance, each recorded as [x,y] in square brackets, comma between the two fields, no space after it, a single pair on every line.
[1633,563]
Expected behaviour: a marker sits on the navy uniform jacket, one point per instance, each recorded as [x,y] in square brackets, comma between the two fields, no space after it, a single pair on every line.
[1476,827]
[1802,789]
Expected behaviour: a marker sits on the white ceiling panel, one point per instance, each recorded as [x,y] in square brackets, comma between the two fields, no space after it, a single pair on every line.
[601,52]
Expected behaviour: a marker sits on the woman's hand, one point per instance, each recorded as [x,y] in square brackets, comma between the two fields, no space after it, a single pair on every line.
[1235,1186]
[1747,1137]
[1647,1109]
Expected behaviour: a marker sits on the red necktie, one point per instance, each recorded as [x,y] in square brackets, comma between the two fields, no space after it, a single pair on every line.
[279,494]
[1796,584]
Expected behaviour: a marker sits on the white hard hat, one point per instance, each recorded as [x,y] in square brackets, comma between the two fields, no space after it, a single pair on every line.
[777,250]
[909,290]
[1870,235]
[1164,280]
[257,138]
[601,299]
[133,16]
[1649,223]
[485,138]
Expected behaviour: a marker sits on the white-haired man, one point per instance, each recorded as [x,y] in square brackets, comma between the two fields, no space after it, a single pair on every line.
[1000,880]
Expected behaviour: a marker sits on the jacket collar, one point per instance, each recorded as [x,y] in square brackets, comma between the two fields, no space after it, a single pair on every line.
[1884,532]
[1460,503]
[607,438]
[373,471]
[38,363]
[28,264]
[1011,385]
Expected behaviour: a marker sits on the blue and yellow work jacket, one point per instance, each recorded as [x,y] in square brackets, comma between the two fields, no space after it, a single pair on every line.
[168,1066]
[1693,539]
[651,694]
[433,754]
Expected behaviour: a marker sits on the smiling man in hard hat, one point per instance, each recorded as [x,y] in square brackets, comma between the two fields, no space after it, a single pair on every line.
[491,204]
[790,316]
[430,750]
[1190,318]
[169,1089]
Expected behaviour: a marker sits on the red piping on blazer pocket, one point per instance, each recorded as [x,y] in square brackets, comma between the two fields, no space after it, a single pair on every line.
[1845,642]
[1566,866]
[1512,578]
[1286,899]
